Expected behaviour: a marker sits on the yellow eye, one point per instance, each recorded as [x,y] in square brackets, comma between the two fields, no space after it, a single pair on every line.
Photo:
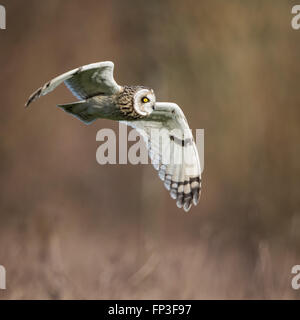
[145,100]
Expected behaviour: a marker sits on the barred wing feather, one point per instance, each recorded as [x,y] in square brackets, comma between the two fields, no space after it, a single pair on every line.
[173,152]
[84,82]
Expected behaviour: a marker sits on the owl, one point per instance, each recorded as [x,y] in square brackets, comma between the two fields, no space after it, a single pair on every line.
[101,97]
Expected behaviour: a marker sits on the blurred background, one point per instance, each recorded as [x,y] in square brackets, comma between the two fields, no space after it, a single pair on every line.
[70,228]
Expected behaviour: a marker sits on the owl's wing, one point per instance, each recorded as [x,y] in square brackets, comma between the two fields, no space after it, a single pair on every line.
[84,82]
[172,151]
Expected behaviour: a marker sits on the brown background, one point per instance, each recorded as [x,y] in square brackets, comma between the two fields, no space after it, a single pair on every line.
[70,228]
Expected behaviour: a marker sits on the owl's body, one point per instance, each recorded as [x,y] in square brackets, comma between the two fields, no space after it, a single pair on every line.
[101,97]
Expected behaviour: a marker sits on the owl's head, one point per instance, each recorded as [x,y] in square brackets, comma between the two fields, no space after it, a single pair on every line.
[144,101]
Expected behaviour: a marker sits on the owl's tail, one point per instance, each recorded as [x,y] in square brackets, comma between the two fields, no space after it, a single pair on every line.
[82,110]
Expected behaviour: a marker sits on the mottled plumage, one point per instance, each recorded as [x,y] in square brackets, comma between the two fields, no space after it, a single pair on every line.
[101,97]
[125,101]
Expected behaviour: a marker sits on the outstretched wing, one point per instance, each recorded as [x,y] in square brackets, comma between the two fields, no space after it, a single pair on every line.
[173,152]
[84,82]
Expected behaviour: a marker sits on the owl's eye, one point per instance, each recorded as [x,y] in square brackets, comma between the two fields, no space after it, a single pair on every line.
[145,100]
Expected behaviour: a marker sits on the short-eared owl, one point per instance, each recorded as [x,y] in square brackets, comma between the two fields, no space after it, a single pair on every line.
[101,97]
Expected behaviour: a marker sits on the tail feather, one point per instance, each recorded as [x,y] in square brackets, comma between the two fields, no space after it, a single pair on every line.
[82,110]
